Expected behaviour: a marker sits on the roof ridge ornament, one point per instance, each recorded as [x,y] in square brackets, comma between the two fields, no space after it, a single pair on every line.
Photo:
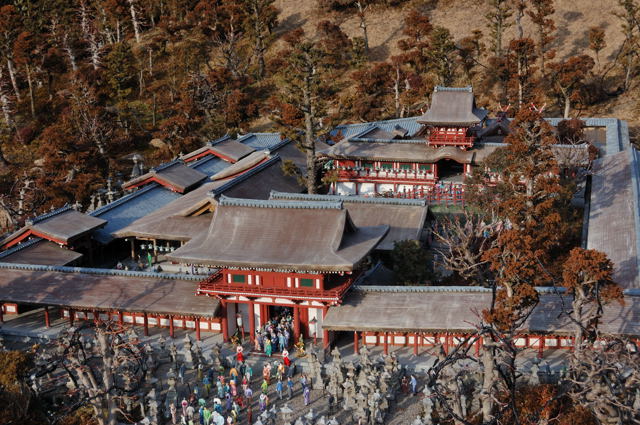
[279,204]
[50,214]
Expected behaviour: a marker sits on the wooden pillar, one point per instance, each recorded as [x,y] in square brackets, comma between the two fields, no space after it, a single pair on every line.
[356,348]
[198,329]
[71,313]
[224,323]
[47,320]
[252,322]
[415,344]
[296,322]
[155,251]
[386,343]
[120,317]
[171,332]
[446,344]
[133,249]
[145,319]
[1,313]
[325,333]
[541,347]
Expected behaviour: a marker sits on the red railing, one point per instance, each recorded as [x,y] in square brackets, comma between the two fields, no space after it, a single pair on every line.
[450,140]
[216,284]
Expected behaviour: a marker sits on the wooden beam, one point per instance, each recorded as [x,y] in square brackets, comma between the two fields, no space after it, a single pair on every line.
[146,324]
[224,323]
[47,321]
[252,322]
[296,323]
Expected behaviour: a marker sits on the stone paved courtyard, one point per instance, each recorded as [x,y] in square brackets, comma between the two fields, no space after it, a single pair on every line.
[20,332]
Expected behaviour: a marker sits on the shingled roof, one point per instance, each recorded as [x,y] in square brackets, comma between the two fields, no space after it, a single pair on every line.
[226,148]
[404,310]
[402,151]
[40,251]
[176,220]
[62,226]
[173,175]
[454,106]
[614,221]
[281,235]
[405,217]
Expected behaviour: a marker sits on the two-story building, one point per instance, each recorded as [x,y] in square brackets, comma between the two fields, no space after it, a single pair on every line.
[302,256]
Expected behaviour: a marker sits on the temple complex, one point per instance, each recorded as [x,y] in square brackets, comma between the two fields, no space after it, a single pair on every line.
[222,240]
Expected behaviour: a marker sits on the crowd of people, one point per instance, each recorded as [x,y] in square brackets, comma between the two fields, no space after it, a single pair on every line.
[220,396]
[275,335]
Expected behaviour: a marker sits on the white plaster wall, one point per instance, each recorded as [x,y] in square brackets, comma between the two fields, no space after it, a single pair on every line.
[346,188]
[367,189]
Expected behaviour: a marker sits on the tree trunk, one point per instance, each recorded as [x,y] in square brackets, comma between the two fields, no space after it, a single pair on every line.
[67,48]
[134,21]
[567,106]
[309,137]
[12,77]
[259,49]
[363,25]
[488,380]
[4,102]
[31,97]
[396,91]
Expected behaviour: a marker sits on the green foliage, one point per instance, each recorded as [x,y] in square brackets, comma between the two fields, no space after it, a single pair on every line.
[411,263]
[121,72]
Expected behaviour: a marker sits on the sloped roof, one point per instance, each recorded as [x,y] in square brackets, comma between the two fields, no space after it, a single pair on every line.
[614,221]
[280,235]
[136,292]
[62,226]
[173,175]
[251,160]
[396,150]
[450,311]
[129,208]
[225,148]
[173,221]
[40,251]
[453,106]
[405,217]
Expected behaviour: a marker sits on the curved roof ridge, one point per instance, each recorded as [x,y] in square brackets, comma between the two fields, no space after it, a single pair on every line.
[246,174]
[347,198]
[50,214]
[262,203]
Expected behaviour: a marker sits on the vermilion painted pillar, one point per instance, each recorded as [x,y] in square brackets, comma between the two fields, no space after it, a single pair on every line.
[446,344]
[120,318]
[296,322]
[146,324]
[325,333]
[71,314]
[540,347]
[198,329]
[1,313]
[415,344]
[386,343]
[356,348]
[171,334]
[252,321]
[47,321]
[224,323]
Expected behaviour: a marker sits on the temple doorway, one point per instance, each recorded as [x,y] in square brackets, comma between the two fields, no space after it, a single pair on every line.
[450,171]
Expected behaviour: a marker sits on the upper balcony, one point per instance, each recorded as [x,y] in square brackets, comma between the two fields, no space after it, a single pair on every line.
[444,139]
[336,287]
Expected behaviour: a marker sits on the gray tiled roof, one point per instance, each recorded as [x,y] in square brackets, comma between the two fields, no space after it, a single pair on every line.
[129,208]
